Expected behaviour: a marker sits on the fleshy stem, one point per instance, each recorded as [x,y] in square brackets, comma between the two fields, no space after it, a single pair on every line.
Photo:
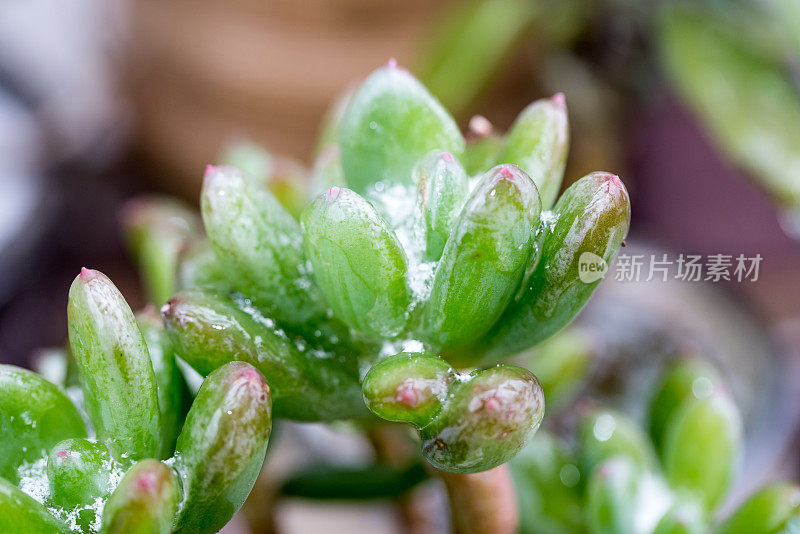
[482,502]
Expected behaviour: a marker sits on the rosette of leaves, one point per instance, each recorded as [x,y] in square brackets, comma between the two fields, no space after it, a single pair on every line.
[668,478]
[129,459]
[419,263]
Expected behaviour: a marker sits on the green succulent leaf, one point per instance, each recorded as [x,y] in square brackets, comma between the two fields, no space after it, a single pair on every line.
[742,91]
[145,501]
[611,496]
[208,330]
[260,245]
[579,239]
[685,517]
[358,262]
[538,142]
[606,434]
[470,45]
[390,124]
[172,390]
[342,483]
[198,266]
[34,416]
[222,446]
[284,177]
[562,364]
[441,192]
[548,484]
[684,381]
[483,262]
[157,229]
[701,447]
[119,385]
[482,153]
[774,509]
[21,513]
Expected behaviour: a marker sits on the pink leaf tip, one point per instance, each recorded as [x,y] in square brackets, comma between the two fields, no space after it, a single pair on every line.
[87,274]
[249,377]
[147,482]
[333,193]
[559,100]
[392,63]
[613,182]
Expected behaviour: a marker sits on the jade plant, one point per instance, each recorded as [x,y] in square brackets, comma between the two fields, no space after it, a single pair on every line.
[669,477]
[402,256]
[140,463]
[419,264]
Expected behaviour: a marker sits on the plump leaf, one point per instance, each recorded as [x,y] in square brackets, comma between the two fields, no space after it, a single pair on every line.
[119,385]
[392,122]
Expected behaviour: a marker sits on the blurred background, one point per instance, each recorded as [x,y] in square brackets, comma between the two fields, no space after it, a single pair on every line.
[696,108]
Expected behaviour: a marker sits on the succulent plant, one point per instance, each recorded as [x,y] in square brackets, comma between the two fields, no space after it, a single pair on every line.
[400,249]
[397,292]
[622,479]
[125,472]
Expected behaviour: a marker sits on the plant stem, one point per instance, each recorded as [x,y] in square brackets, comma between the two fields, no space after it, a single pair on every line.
[482,502]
